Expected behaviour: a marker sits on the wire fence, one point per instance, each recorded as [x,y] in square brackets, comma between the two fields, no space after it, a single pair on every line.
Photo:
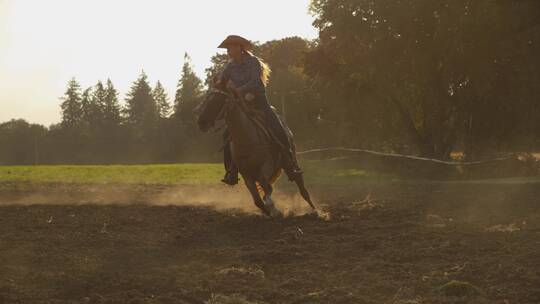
[402,156]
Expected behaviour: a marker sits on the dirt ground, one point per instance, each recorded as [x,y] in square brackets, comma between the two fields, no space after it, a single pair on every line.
[403,242]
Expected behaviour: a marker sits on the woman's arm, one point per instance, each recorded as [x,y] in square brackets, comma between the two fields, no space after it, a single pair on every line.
[222,77]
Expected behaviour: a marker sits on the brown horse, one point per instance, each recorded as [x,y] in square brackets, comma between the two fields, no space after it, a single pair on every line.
[252,148]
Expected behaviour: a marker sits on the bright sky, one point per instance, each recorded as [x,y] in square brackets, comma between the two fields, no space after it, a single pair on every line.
[45,43]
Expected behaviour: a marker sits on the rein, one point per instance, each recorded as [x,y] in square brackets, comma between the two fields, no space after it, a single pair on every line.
[222,113]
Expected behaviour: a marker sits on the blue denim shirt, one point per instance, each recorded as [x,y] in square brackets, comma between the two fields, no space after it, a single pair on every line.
[246,75]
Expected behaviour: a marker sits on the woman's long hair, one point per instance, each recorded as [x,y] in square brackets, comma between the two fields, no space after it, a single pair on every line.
[265,69]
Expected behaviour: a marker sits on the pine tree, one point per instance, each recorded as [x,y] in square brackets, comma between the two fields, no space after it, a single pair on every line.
[98,97]
[141,109]
[111,106]
[189,91]
[71,105]
[86,106]
[94,107]
[161,98]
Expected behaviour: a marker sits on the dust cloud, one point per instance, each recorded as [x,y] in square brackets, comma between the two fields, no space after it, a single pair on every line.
[218,197]
[227,198]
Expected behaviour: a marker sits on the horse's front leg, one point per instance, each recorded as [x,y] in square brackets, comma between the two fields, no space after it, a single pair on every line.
[252,187]
[269,202]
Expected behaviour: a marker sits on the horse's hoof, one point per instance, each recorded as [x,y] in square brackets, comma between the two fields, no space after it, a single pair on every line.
[274,212]
[265,210]
[271,207]
[268,201]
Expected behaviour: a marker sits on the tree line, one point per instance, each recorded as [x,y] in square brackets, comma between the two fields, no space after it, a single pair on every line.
[422,77]
[96,127]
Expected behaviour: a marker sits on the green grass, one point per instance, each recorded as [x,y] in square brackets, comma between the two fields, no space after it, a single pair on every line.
[324,172]
[342,172]
[146,174]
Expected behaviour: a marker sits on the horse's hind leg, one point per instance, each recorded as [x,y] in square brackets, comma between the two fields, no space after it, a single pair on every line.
[303,191]
[252,187]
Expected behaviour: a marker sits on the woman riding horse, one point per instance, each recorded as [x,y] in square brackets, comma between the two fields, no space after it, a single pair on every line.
[246,76]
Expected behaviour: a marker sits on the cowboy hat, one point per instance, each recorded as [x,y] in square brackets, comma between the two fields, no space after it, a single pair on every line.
[235,39]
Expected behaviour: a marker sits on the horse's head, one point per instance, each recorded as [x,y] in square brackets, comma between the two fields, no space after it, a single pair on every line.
[209,110]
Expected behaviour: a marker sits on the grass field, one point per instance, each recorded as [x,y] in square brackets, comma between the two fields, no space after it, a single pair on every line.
[146,174]
[168,173]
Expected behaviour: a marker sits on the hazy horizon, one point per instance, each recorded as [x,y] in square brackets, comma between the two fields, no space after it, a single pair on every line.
[44,44]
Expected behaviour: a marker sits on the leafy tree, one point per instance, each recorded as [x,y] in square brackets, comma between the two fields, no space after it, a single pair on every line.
[218,62]
[425,69]
[18,142]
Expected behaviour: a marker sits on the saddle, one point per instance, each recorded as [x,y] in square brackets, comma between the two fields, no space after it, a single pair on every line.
[259,119]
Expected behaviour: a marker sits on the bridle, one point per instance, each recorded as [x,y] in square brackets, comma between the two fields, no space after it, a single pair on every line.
[223,113]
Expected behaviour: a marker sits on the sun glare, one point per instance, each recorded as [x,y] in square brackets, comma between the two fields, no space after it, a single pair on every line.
[45,43]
